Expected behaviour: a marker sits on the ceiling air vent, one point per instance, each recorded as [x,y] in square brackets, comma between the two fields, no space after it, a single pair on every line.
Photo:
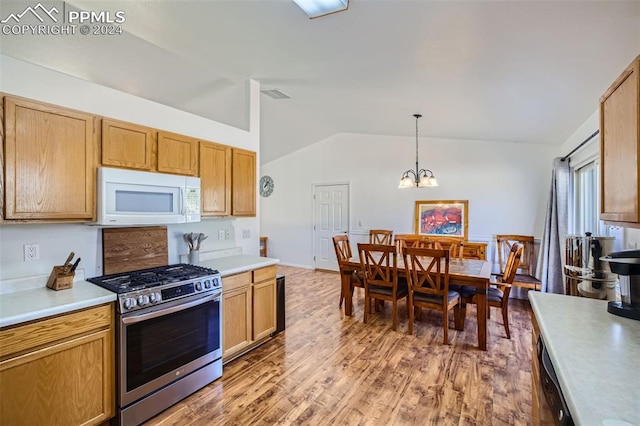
[276,94]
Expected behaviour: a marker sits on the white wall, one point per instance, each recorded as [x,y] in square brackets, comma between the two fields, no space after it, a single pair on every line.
[506,184]
[57,240]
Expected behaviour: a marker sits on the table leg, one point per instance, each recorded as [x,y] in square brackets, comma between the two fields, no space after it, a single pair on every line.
[347,290]
[481,305]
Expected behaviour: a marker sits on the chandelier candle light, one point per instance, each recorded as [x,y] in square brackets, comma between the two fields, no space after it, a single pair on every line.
[420,177]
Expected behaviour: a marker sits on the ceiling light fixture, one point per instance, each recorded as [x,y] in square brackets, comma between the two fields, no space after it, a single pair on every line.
[317,8]
[420,177]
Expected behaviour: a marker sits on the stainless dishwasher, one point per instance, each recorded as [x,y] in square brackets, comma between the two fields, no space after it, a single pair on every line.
[553,402]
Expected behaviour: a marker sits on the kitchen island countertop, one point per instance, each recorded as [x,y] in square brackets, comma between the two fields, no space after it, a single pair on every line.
[595,356]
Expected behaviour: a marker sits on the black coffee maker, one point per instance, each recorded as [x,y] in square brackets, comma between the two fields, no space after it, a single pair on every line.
[627,265]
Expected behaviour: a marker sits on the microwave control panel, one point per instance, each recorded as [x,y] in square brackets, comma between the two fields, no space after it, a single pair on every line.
[192,200]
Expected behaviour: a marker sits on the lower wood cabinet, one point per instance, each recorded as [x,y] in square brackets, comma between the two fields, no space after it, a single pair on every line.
[59,371]
[264,302]
[236,334]
[249,310]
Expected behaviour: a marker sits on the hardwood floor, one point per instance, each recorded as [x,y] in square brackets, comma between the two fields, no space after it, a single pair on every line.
[330,369]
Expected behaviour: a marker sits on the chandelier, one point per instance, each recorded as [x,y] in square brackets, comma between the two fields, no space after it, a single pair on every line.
[418,177]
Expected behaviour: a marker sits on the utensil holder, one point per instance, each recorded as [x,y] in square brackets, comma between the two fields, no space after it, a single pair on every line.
[194,257]
[59,279]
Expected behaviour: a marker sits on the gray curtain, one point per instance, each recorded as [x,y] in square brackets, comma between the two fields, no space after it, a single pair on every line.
[549,270]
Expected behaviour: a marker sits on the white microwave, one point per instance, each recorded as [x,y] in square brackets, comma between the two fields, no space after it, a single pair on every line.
[130,197]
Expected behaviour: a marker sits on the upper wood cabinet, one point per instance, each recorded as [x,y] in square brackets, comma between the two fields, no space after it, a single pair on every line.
[215,179]
[127,145]
[619,147]
[50,162]
[177,154]
[244,183]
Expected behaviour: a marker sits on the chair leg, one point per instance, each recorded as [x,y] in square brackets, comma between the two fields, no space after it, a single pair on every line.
[341,297]
[445,325]
[411,313]
[505,320]
[395,315]
[367,304]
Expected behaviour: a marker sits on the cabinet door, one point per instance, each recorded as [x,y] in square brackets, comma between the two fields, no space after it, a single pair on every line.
[50,162]
[244,183]
[215,179]
[619,138]
[264,309]
[237,321]
[177,154]
[68,383]
[126,145]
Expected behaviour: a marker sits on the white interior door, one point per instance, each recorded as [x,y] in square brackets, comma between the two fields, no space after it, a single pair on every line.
[331,217]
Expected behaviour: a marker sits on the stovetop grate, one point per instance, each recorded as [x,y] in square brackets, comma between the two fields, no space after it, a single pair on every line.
[146,278]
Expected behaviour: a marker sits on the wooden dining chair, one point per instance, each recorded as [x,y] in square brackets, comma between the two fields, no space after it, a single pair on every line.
[428,277]
[380,236]
[499,290]
[525,276]
[343,253]
[380,273]
[454,245]
[412,240]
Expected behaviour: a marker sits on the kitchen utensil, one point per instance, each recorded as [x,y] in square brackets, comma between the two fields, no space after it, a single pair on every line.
[75,265]
[68,261]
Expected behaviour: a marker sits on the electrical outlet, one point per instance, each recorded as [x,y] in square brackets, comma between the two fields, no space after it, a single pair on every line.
[246,233]
[227,234]
[221,234]
[31,252]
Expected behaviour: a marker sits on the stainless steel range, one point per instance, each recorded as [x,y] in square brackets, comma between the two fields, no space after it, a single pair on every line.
[168,336]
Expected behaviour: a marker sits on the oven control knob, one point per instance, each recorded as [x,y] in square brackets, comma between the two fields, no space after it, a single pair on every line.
[143,300]
[199,286]
[155,297]
[216,283]
[129,303]
[207,284]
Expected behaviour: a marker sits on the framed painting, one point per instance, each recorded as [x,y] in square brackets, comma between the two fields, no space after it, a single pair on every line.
[442,218]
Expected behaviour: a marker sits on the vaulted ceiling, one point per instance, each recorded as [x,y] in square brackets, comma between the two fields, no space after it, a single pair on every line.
[520,71]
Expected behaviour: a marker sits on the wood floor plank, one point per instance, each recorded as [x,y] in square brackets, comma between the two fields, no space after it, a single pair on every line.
[329,369]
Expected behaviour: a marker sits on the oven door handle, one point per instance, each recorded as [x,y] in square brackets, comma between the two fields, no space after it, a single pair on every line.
[177,308]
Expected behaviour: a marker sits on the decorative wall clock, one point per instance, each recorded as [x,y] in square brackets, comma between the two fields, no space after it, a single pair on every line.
[266,186]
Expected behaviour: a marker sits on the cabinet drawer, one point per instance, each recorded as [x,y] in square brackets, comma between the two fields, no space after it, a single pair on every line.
[264,274]
[33,335]
[233,282]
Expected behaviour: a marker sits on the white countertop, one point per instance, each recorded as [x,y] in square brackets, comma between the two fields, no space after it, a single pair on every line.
[36,303]
[240,263]
[596,356]
[28,299]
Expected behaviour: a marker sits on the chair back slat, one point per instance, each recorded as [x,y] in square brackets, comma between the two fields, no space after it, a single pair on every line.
[512,263]
[380,236]
[342,248]
[504,243]
[379,264]
[427,270]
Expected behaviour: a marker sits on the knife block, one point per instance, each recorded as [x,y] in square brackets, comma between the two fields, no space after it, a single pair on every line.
[59,279]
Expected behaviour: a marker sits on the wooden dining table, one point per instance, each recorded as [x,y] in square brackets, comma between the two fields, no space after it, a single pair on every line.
[469,272]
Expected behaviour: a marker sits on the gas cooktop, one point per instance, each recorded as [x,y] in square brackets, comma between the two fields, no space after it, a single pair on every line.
[146,278]
[153,286]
